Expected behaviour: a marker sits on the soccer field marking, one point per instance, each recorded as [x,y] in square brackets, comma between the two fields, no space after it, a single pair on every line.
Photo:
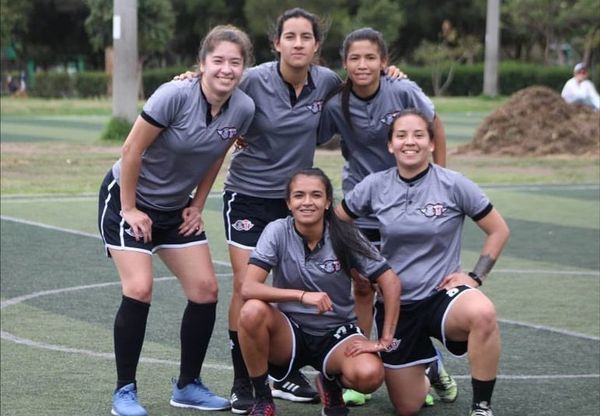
[227,264]
[219,194]
[24,341]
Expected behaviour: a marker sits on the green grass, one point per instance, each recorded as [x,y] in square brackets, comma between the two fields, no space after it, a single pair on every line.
[52,165]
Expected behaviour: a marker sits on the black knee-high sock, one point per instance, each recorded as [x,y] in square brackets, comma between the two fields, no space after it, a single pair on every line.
[196,329]
[129,331]
[482,390]
[239,367]
[261,387]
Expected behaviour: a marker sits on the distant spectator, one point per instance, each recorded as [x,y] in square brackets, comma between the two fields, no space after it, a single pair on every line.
[580,90]
[12,85]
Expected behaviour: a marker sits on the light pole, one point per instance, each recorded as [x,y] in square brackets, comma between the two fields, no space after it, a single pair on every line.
[492,47]
[125,86]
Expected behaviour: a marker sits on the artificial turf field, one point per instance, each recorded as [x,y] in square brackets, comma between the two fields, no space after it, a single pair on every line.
[59,295]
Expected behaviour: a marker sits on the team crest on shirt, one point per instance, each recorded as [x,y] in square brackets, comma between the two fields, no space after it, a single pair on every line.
[389,117]
[242,225]
[331,266]
[315,107]
[433,210]
[227,133]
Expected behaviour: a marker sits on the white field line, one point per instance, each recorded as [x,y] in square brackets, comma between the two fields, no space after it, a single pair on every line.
[13,301]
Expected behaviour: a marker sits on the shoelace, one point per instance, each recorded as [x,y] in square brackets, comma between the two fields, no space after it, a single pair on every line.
[444,380]
[480,412]
[263,408]
[128,395]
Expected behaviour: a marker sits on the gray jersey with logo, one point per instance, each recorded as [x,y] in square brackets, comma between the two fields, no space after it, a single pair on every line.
[282,250]
[365,142]
[421,222]
[174,164]
[283,135]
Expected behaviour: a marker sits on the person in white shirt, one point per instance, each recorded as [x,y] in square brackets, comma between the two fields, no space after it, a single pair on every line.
[580,90]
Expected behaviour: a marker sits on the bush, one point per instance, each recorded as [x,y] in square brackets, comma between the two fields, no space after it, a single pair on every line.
[92,84]
[512,77]
[53,85]
[154,78]
[117,129]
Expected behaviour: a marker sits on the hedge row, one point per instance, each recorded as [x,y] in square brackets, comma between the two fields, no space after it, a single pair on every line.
[467,81]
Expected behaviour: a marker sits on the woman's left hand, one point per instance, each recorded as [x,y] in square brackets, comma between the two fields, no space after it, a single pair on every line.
[192,222]
[457,279]
[394,72]
[363,345]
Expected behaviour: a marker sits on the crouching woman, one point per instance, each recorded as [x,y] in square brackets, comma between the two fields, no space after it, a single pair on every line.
[307,316]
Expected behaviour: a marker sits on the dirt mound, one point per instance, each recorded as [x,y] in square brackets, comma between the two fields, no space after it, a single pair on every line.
[537,121]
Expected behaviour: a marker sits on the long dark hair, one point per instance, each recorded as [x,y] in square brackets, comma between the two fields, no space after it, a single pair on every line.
[347,241]
[365,33]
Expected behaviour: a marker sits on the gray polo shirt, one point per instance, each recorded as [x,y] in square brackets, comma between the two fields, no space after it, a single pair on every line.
[365,142]
[421,222]
[282,137]
[282,250]
[190,142]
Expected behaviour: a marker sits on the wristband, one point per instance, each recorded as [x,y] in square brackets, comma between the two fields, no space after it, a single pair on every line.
[302,297]
[475,277]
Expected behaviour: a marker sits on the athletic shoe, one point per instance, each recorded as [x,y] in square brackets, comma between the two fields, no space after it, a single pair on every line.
[242,399]
[125,402]
[443,384]
[331,397]
[197,396]
[295,388]
[481,409]
[355,398]
[428,400]
[263,407]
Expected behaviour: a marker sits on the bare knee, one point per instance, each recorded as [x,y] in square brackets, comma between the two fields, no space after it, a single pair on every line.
[143,293]
[204,291]
[365,376]
[485,321]
[253,314]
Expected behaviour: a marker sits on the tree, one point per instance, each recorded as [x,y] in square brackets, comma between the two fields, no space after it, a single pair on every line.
[13,21]
[444,55]
[261,16]
[550,23]
[156,24]
[194,19]
[382,15]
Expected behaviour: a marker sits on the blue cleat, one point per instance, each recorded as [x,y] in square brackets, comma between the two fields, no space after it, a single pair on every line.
[125,402]
[197,396]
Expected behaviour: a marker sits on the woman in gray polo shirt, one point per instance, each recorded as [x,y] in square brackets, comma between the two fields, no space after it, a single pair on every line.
[421,208]
[307,316]
[175,147]
[361,113]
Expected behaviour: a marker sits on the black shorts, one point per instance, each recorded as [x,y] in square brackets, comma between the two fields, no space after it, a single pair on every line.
[418,322]
[117,234]
[373,235]
[246,217]
[313,350]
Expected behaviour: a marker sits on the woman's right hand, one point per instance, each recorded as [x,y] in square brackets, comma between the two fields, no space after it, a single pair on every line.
[320,300]
[140,223]
[189,75]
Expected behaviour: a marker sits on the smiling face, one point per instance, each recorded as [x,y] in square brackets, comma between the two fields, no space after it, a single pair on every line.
[297,44]
[307,200]
[411,144]
[222,69]
[364,64]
